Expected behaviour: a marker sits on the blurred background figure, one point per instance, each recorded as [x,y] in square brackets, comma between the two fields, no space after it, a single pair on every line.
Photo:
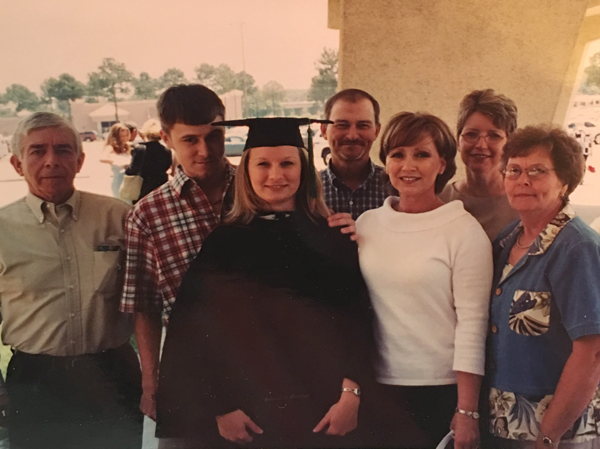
[133,129]
[117,153]
[485,120]
[150,159]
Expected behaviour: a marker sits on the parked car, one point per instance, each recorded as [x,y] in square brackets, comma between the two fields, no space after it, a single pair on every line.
[234,145]
[89,136]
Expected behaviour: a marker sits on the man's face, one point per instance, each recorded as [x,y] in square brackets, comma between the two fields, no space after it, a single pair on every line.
[200,149]
[353,130]
[49,162]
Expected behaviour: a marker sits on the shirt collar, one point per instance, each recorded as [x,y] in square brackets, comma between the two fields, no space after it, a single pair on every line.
[38,206]
[543,241]
[181,179]
[333,177]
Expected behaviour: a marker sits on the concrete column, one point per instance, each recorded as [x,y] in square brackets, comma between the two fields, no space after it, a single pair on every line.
[427,54]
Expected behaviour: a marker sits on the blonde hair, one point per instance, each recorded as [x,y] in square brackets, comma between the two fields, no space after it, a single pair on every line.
[246,202]
[151,129]
[114,138]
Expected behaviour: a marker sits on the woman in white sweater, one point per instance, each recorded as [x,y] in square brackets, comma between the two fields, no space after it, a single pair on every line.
[428,266]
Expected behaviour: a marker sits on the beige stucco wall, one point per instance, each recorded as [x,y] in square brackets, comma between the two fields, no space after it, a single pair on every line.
[427,54]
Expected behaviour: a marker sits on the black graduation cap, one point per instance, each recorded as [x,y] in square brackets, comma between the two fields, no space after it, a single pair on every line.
[278,131]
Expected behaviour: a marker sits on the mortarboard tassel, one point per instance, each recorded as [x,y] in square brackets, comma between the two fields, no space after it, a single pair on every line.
[312,174]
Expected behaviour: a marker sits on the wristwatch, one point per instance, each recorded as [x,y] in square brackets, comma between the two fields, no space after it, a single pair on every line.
[547,442]
[356,391]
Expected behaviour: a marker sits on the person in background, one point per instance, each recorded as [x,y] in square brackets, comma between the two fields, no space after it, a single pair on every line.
[150,159]
[117,153]
[135,136]
[352,183]
[74,380]
[485,120]
[428,267]
[544,345]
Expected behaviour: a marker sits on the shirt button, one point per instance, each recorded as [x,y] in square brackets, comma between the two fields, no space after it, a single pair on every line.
[69,258]
[494,329]
[62,231]
[498,291]
[72,315]
[71,286]
[350,203]
[72,342]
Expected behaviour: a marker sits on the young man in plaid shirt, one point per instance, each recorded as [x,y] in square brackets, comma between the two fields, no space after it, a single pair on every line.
[165,230]
[351,182]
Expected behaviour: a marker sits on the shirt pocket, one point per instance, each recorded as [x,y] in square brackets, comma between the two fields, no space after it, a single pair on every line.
[530,313]
[107,266]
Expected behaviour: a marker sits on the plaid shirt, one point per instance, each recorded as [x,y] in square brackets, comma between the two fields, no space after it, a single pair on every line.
[164,233]
[369,195]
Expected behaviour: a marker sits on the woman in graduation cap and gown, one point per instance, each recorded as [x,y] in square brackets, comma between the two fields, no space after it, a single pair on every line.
[269,341]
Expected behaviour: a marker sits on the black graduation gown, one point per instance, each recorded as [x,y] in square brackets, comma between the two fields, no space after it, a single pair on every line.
[270,318]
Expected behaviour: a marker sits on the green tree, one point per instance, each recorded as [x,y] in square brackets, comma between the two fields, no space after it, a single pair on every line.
[223,79]
[592,75]
[22,97]
[205,74]
[145,87]
[274,94]
[324,84]
[111,79]
[171,77]
[64,89]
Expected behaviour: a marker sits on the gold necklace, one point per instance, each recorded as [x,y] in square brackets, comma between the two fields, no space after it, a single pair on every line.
[519,244]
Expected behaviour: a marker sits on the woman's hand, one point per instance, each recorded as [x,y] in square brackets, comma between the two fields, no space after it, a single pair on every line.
[345,221]
[342,417]
[466,432]
[234,427]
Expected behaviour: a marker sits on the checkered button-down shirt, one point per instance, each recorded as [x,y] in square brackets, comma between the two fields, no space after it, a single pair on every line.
[165,231]
[369,195]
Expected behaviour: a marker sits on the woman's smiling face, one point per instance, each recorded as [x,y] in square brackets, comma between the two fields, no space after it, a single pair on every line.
[480,144]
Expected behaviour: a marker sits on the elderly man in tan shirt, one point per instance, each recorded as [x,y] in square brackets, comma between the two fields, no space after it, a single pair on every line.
[74,380]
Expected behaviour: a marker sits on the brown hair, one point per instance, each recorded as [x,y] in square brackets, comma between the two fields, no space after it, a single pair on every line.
[566,153]
[499,108]
[246,202]
[407,128]
[191,104]
[114,138]
[352,96]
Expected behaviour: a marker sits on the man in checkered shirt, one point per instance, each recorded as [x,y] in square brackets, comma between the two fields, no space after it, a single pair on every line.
[166,228]
[351,182]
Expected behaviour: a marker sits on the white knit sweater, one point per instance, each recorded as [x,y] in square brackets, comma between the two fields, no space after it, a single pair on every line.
[429,277]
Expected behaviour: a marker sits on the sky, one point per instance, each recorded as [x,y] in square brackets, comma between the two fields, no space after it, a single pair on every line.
[282,38]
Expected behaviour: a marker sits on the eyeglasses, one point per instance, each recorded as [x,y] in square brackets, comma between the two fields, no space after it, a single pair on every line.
[491,137]
[513,172]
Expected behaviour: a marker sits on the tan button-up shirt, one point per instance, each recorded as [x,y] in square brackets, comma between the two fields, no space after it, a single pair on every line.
[61,275]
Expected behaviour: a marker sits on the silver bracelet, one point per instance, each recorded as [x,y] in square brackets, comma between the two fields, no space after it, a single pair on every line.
[547,442]
[473,415]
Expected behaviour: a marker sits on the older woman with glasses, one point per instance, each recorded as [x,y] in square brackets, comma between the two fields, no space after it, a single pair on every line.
[485,120]
[544,346]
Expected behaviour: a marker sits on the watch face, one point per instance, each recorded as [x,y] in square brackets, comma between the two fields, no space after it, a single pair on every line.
[357,391]
[547,442]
